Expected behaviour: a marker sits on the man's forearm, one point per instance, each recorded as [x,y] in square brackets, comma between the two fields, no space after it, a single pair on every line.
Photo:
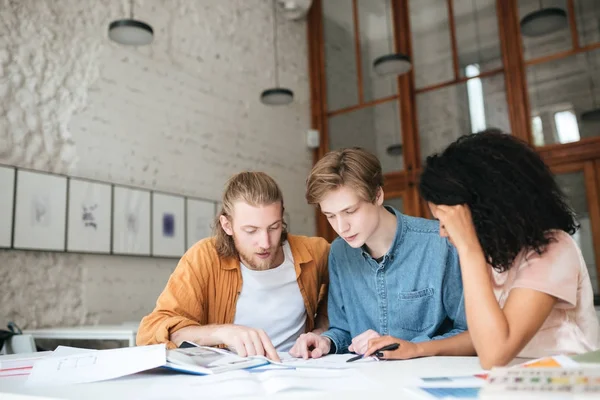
[206,335]
[457,345]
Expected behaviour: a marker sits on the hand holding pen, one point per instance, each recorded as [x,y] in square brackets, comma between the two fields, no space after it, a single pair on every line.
[404,351]
[378,353]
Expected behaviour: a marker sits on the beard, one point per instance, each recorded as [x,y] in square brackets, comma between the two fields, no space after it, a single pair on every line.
[252,261]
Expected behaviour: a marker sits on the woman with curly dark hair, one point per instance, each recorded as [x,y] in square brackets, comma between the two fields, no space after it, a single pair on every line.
[526,286]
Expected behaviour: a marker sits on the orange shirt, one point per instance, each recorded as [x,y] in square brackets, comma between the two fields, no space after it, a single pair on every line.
[204,289]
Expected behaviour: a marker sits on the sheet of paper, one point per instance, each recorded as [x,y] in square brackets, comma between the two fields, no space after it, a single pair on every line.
[246,383]
[63,351]
[96,365]
[314,380]
[592,357]
[447,387]
[20,364]
[453,381]
[445,392]
[559,361]
[331,361]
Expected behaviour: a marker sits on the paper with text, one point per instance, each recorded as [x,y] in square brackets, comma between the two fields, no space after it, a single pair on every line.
[96,365]
[331,361]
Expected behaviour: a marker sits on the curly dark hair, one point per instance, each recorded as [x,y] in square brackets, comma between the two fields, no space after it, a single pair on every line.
[512,194]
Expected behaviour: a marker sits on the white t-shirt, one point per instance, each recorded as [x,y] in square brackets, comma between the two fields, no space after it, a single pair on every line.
[271,300]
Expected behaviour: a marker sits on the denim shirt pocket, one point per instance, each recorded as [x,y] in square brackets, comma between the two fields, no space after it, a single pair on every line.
[417,306]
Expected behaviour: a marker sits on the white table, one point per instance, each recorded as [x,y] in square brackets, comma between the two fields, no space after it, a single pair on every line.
[389,378]
[126,331]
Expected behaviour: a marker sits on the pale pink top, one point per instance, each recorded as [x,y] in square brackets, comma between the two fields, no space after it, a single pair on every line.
[572,326]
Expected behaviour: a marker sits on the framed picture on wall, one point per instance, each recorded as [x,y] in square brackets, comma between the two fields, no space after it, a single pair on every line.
[168,225]
[7,201]
[131,221]
[40,212]
[200,216]
[89,216]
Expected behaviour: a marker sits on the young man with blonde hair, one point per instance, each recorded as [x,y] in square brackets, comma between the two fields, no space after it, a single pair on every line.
[252,287]
[390,274]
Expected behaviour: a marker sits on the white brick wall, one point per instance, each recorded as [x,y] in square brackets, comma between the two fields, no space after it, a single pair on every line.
[181,116]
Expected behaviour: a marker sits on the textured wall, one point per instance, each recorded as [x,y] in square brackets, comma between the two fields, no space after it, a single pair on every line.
[180,116]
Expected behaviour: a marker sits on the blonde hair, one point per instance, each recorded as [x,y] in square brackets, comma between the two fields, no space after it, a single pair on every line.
[253,188]
[353,167]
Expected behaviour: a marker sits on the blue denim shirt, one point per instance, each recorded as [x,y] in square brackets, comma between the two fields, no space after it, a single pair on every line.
[415,293]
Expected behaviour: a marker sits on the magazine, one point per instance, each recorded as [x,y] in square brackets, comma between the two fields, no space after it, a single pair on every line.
[203,360]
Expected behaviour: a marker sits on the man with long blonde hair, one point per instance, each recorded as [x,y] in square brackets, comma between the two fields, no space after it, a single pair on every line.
[252,287]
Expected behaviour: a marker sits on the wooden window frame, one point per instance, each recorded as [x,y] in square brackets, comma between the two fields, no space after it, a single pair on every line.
[513,69]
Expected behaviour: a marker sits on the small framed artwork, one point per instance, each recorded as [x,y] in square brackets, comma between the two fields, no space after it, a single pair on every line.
[89,216]
[131,221]
[7,201]
[40,213]
[200,217]
[168,225]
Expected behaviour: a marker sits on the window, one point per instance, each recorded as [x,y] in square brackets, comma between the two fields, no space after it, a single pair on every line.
[475,96]
[554,124]
[538,130]
[565,123]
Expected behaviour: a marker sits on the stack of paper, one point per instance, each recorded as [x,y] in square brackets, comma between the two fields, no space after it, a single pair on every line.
[20,364]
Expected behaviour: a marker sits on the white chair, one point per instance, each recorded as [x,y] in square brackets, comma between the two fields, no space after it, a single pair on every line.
[19,344]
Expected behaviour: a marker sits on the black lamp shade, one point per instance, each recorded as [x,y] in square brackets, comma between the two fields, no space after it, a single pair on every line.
[392,64]
[591,115]
[544,21]
[130,32]
[277,96]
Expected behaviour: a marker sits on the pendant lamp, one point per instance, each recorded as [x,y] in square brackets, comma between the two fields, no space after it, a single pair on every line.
[543,21]
[130,32]
[391,63]
[277,95]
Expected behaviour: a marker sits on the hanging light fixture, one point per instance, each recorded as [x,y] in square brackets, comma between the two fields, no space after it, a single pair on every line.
[129,31]
[544,21]
[276,96]
[592,115]
[391,63]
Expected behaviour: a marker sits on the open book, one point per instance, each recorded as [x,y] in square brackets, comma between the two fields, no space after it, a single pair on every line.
[204,360]
[209,360]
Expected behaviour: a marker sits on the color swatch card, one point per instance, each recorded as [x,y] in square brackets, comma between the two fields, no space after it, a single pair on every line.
[543,383]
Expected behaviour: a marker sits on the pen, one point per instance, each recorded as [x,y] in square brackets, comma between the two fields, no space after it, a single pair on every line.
[389,347]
